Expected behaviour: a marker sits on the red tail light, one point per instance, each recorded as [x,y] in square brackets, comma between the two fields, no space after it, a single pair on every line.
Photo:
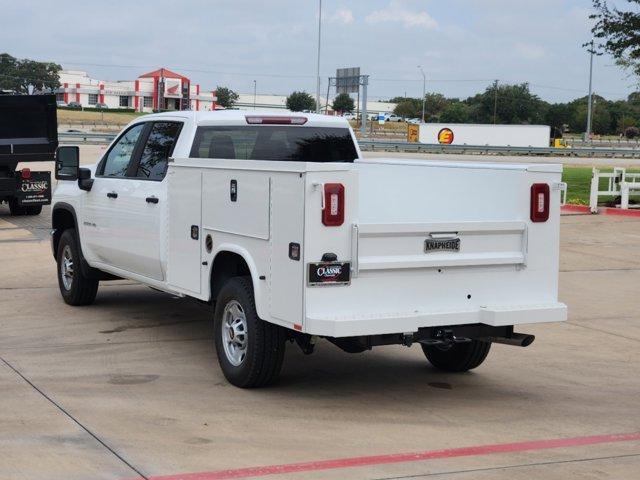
[539,202]
[333,211]
[25,173]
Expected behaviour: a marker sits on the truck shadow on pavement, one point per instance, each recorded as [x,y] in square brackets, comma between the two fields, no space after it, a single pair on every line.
[130,311]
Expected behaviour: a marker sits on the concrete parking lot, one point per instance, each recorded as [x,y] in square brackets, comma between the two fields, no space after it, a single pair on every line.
[130,387]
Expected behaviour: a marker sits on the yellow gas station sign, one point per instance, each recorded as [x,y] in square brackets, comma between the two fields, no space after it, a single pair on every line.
[413,133]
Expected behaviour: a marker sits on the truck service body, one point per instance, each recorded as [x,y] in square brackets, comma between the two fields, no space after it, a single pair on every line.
[278,221]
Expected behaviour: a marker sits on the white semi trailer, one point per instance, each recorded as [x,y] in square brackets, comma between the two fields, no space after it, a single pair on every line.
[492,135]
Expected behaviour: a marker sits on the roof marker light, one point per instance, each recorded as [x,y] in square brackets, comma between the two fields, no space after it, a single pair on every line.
[262,120]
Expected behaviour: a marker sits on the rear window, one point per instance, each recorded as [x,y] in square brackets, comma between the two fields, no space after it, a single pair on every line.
[275,142]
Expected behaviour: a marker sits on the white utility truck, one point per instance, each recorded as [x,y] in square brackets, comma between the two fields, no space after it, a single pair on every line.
[278,222]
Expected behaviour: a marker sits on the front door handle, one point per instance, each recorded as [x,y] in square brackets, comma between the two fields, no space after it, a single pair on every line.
[152,199]
[112,195]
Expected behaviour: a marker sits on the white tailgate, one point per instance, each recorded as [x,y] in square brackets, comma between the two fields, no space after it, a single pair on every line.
[505,272]
[393,246]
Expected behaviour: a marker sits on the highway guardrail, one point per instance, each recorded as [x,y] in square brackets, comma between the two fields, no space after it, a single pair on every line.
[388,146]
[385,146]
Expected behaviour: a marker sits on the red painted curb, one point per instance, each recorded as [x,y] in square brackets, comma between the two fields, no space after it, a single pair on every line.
[618,212]
[404,457]
[574,209]
[601,210]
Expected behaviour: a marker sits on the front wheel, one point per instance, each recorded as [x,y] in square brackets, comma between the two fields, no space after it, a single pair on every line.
[458,357]
[75,288]
[250,351]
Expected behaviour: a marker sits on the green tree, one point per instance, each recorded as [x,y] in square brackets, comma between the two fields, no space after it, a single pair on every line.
[456,112]
[435,103]
[619,32]
[408,108]
[343,103]
[600,118]
[226,97]
[20,74]
[623,115]
[558,115]
[512,104]
[299,101]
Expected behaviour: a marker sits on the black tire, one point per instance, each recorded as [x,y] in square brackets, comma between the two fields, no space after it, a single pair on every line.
[34,210]
[459,357]
[264,343]
[15,209]
[77,289]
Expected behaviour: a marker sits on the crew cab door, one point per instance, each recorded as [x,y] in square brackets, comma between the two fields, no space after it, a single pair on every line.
[128,200]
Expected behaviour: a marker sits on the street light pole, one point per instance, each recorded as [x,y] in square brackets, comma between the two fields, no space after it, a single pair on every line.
[318,57]
[589,101]
[424,91]
[254,94]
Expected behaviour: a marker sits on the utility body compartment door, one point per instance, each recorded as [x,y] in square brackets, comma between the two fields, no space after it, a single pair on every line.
[286,257]
[185,212]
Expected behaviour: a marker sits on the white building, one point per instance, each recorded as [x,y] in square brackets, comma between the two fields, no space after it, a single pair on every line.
[163,89]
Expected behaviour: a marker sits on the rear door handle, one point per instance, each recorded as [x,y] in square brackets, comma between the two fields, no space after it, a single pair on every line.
[152,199]
[112,195]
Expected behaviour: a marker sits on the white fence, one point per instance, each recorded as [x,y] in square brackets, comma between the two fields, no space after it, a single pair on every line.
[619,184]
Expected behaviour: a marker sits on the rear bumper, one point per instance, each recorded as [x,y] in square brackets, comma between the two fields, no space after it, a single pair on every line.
[351,326]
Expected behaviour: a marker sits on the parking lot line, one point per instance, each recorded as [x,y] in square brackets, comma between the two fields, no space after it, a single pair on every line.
[472,451]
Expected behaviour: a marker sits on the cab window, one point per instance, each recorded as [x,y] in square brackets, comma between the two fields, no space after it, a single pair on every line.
[157,150]
[119,157]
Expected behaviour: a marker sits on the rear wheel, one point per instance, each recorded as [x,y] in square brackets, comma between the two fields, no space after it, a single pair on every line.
[250,351]
[458,357]
[76,289]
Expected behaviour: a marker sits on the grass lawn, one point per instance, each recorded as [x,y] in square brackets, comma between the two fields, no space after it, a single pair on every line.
[578,180]
[80,116]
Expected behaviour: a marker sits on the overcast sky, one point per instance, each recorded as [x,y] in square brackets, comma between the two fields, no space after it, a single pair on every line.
[462,44]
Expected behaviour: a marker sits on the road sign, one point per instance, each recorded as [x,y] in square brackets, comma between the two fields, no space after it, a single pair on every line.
[347,80]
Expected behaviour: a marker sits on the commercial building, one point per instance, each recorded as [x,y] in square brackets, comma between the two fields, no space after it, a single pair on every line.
[163,89]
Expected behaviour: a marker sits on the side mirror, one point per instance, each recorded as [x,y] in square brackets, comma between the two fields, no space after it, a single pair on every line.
[67,163]
[85,182]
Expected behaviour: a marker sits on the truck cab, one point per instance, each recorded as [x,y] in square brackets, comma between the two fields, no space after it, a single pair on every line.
[277,221]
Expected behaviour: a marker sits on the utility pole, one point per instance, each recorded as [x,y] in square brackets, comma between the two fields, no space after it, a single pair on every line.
[318,58]
[255,89]
[365,82]
[326,105]
[424,91]
[589,101]
[495,101]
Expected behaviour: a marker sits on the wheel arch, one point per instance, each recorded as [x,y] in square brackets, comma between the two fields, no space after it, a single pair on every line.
[232,260]
[63,217]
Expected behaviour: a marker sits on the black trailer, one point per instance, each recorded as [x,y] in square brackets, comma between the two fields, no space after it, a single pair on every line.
[28,133]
